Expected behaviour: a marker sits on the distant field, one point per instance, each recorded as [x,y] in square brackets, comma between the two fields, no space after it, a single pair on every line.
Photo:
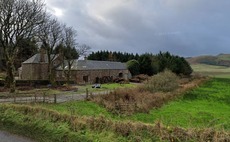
[211,70]
[224,56]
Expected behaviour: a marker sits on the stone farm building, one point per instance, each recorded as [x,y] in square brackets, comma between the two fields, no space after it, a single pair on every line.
[82,71]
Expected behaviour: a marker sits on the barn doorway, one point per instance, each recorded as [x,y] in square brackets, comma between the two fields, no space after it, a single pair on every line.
[86,79]
[120,75]
[97,80]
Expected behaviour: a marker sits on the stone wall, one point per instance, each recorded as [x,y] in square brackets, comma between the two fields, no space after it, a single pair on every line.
[34,71]
[37,71]
[89,76]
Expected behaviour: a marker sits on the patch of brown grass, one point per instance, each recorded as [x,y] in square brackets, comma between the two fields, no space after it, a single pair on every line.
[128,101]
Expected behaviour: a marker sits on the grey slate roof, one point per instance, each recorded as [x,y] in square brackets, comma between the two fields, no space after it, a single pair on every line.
[36,59]
[81,64]
[95,65]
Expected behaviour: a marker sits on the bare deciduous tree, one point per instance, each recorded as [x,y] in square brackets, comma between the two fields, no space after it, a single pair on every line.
[51,36]
[19,19]
[83,49]
[69,51]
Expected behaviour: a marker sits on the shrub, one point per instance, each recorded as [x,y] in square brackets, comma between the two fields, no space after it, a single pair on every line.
[145,97]
[133,66]
[164,81]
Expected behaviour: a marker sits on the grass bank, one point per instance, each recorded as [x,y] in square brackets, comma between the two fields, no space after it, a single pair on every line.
[204,107]
[48,125]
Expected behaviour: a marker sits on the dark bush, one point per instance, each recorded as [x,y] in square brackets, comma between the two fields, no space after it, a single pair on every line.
[134,67]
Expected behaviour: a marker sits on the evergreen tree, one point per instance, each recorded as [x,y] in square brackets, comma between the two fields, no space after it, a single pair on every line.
[145,64]
[149,64]
[176,64]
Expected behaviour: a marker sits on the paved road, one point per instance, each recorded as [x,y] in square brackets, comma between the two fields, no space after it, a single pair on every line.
[8,137]
[60,98]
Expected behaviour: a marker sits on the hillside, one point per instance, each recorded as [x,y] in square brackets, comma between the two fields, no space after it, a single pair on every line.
[219,60]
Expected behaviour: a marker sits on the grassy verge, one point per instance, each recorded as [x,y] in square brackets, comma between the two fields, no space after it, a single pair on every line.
[81,108]
[48,125]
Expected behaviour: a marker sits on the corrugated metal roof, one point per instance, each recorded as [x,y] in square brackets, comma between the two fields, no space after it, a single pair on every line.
[36,59]
[94,65]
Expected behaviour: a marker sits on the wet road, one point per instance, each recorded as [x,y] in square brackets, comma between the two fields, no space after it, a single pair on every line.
[8,137]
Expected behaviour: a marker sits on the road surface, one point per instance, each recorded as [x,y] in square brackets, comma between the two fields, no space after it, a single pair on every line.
[8,137]
[60,98]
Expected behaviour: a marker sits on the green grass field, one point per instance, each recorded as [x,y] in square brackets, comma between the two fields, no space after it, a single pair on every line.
[206,106]
[211,70]
[104,87]
[80,90]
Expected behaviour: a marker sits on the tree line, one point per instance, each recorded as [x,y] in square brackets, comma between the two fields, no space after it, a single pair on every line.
[25,26]
[112,56]
[146,63]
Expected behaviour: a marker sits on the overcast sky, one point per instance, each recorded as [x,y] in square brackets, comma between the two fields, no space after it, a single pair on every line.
[182,27]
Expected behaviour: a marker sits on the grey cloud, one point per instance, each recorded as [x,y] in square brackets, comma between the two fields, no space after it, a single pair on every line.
[186,28]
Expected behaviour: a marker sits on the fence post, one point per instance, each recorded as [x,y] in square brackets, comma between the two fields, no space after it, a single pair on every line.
[55,98]
[135,107]
[35,97]
[44,99]
[87,94]
[115,95]
[14,98]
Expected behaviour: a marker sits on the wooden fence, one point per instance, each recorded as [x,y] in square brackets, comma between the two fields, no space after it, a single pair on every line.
[31,99]
[126,108]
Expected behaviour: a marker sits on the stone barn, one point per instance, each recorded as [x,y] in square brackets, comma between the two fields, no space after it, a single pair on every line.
[82,71]
[36,67]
